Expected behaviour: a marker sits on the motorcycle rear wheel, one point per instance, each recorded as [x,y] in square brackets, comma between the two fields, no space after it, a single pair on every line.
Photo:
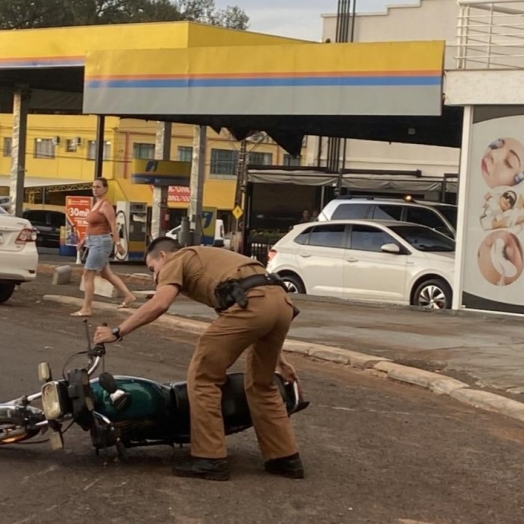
[11,431]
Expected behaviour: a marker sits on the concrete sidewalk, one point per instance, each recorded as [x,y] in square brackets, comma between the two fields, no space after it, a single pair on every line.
[481,350]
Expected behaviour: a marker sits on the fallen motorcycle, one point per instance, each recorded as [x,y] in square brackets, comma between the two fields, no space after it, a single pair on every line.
[122,412]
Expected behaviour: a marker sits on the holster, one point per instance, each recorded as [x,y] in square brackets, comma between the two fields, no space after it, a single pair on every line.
[234,291]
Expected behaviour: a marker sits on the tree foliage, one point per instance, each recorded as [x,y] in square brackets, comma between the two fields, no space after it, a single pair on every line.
[24,14]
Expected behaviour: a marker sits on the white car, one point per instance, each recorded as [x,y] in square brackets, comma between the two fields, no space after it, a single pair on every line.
[18,254]
[220,237]
[436,215]
[391,261]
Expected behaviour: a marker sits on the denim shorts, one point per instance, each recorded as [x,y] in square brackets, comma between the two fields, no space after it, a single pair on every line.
[100,248]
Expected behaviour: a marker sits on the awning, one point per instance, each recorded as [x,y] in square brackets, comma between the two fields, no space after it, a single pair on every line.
[381,182]
[58,184]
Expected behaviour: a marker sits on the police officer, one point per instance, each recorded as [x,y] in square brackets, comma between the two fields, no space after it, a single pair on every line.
[254,312]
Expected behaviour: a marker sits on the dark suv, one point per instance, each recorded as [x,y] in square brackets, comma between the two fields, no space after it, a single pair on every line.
[48,224]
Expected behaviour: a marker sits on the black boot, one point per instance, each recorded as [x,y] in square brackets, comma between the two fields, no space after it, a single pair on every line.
[290,467]
[202,468]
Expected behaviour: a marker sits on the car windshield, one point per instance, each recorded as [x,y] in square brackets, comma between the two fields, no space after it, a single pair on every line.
[450,214]
[425,239]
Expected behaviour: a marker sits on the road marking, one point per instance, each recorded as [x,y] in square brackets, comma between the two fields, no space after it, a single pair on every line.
[408,521]
[89,486]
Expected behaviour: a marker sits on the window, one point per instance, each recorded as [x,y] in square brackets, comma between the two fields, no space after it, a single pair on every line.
[260,159]
[425,217]
[387,212]
[8,146]
[35,216]
[350,211]
[71,145]
[144,151]
[223,162]
[327,236]
[44,148]
[185,154]
[368,238]
[450,214]
[56,219]
[303,238]
[425,239]
[292,160]
[91,150]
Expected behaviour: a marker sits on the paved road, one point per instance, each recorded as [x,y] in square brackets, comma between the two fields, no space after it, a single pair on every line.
[484,350]
[376,452]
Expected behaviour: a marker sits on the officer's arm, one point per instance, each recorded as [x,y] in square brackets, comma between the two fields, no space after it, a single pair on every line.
[151,310]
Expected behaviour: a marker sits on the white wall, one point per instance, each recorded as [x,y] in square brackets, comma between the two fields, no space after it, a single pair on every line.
[429,20]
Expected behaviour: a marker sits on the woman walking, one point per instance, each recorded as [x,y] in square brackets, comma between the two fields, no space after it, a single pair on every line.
[100,235]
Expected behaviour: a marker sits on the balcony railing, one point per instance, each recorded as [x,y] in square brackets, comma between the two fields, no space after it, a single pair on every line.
[490,35]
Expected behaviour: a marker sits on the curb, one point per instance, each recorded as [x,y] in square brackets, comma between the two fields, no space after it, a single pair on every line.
[378,366]
[145,279]
[129,278]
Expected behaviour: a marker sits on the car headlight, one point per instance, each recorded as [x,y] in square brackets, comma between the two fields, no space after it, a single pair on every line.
[52,401]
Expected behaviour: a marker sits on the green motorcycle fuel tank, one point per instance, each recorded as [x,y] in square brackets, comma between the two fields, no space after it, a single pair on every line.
[149,414]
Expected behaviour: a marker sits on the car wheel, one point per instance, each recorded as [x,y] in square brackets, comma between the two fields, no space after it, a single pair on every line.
[433,294]
[6,290]
[293,284]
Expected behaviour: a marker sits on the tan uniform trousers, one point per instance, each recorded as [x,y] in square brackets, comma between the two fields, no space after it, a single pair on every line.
[262,327]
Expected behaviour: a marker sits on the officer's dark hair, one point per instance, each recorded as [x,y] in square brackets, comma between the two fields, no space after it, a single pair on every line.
[166,244]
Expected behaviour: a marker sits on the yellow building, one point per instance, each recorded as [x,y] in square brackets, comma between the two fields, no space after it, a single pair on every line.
[61,152]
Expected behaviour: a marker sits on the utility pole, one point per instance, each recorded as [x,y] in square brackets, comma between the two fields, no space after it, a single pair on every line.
[198,173]
[345,32]
[162,152]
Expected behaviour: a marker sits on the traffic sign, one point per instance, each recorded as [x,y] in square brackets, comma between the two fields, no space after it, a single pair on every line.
[237,212]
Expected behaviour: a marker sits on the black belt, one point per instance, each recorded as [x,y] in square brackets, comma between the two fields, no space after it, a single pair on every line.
[269,279]
[234,291]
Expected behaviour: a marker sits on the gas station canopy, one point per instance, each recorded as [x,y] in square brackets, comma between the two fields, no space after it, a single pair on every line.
[192,73]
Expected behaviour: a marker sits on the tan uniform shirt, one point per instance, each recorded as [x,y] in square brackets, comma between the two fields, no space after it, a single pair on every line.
[198,270]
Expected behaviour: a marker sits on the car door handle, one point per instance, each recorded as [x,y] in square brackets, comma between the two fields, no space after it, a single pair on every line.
[352,260]
[305,255]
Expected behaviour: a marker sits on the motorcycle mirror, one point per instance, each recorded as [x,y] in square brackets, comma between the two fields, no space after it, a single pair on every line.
[44,372]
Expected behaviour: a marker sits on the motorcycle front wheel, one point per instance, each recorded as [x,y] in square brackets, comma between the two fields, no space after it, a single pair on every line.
[12,429]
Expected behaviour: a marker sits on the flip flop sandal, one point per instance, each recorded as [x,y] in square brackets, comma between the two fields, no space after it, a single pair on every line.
[125,305]
[81,315]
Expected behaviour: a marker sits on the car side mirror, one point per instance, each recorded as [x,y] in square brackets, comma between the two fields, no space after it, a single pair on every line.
[390,248]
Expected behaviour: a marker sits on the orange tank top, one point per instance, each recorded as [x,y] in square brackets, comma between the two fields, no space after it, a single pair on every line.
[97,223]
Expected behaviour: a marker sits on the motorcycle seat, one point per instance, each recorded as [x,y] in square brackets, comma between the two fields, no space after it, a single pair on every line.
[235,409]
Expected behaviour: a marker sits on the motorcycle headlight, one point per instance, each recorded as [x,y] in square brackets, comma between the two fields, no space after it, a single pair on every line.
[52,401]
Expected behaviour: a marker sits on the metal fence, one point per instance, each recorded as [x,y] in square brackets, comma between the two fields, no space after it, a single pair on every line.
[490,35]
[258,248]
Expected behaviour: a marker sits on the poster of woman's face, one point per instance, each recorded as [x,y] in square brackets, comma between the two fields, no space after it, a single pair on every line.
[493,232]
[503,163]
[500,258]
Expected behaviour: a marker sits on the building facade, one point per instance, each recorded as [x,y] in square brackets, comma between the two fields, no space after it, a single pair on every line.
[425,20]
[61,153]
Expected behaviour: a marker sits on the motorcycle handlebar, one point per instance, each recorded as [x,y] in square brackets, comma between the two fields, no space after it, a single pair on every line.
[95,356]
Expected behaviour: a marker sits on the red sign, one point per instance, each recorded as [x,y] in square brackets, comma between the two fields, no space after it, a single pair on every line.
[178,194]
[77,209]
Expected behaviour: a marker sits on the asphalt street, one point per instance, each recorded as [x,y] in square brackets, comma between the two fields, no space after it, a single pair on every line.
[375,451]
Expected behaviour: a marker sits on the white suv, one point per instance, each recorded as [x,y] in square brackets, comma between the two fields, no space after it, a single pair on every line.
[18,254]
[390,261]
[436,215]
